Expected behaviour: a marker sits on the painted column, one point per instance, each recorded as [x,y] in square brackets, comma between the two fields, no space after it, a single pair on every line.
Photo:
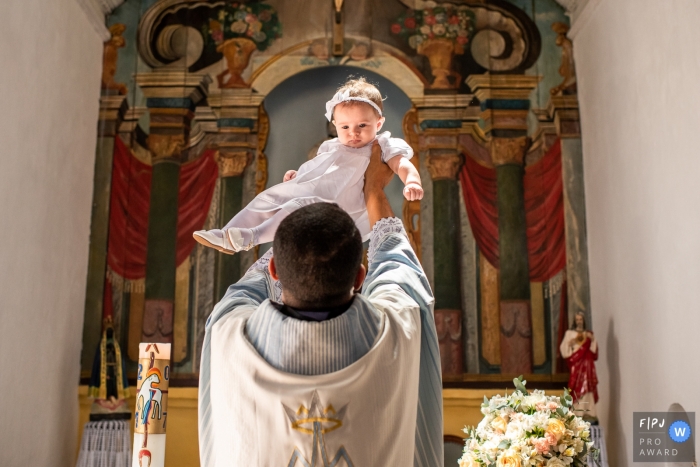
[242,129]
[171,99]
[444,168]
[112,109]
[505,106]
[563,110]
[231,167]
[439,122]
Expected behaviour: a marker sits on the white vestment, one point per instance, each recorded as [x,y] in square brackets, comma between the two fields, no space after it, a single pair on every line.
[335,175]
[362,415]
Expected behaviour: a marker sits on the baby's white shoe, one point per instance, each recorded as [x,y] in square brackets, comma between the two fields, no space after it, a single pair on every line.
[240,239]
[216,239]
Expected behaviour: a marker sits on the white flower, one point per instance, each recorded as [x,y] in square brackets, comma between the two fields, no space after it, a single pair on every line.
[239,27]
[577,444]
[425,29]
[413,41]
[515,430]
[533,399]
[555,462]
[259,36]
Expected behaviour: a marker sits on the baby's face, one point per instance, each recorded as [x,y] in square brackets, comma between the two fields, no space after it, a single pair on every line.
[357,124]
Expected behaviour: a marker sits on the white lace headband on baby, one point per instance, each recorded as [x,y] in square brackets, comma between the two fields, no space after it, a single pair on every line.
[344,97]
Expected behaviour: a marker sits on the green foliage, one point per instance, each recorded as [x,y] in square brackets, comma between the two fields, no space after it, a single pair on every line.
[520,383]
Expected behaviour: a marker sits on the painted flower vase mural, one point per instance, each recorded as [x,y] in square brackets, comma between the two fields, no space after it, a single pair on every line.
[237,30]
[528,429]
[439,33]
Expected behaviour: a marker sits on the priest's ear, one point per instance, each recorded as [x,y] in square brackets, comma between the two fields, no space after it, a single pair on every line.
[359,279]
[273,269]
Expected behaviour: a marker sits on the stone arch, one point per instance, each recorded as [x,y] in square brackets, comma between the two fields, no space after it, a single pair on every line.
[384,60]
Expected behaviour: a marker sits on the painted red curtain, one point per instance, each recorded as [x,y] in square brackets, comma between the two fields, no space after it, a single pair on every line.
[129,205]
[128,214]
[480,195]
[544,212]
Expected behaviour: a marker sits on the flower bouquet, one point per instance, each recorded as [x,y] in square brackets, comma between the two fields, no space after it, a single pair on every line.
[528,429]
[255,21]
[438,33]
[237,30]
[442,22]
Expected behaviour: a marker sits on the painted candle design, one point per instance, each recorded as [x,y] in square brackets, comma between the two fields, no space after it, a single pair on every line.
[151,405]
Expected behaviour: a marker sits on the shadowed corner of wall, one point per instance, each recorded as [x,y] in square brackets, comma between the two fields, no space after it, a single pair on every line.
[617,444]
[676,407]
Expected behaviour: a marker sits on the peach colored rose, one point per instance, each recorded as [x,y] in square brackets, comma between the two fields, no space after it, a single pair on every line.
[508,459]
[499,424]
[556,428]
[468,460]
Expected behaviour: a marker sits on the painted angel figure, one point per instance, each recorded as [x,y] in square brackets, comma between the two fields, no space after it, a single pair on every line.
[580,349]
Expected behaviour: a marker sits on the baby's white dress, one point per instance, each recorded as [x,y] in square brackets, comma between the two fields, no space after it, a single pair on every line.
[335,175]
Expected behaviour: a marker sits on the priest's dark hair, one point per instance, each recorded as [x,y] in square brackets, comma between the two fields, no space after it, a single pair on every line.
[318,252]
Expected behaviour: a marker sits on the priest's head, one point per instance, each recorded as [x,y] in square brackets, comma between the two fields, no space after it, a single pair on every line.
[318,257]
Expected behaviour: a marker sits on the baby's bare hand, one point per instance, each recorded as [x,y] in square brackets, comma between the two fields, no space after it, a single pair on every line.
[289,175]
[413,191]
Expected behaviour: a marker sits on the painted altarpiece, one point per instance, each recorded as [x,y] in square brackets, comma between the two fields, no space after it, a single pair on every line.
[193,92]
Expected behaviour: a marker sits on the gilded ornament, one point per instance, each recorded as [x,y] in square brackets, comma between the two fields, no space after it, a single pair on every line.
[110,56]
[232,164]
[261,159]
[567,69]
[165,146]
[444,167]
[411,209]
[509,150]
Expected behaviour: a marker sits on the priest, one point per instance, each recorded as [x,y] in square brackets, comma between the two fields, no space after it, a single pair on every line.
[310,360]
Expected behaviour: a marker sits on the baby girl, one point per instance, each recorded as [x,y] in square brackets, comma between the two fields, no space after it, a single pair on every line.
[335,175]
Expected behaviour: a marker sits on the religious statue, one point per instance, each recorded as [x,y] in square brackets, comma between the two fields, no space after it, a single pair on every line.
[106,435]
[109,58]
[567,69]
[580,350]
[108,385]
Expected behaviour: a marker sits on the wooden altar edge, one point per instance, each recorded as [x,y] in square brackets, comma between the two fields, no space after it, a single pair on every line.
[466,381]
[462,407]
[505,381]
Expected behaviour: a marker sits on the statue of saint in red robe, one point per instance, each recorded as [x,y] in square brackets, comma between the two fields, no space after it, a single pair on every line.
[580,350]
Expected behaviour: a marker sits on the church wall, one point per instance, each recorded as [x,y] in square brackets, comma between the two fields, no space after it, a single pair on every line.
[50,81]
[637,77]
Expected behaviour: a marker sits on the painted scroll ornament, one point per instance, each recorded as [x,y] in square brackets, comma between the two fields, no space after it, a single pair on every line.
[151,412]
